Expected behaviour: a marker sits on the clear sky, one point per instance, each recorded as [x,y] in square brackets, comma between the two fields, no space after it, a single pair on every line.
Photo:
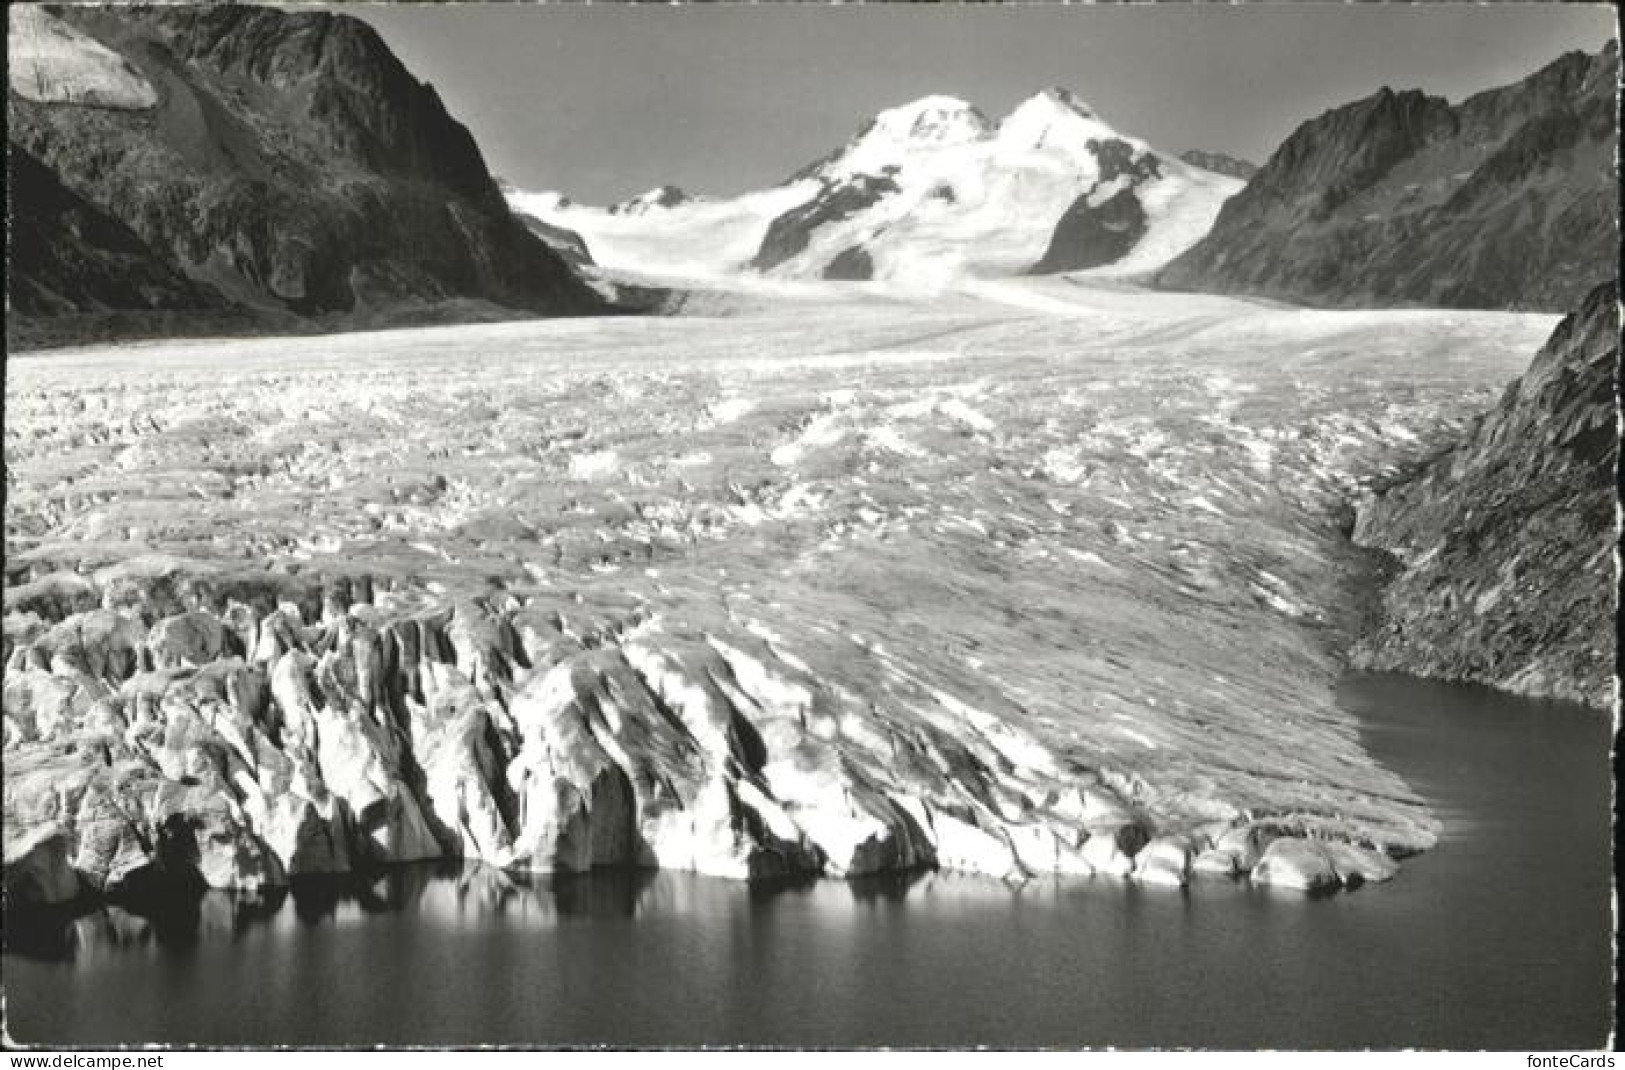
[605,100]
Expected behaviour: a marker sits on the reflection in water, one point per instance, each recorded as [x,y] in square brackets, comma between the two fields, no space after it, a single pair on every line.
[604,894]
[888,887]
[111,928]
[50,935]
[315,899]
[465,954]
[449,892]
[57,935]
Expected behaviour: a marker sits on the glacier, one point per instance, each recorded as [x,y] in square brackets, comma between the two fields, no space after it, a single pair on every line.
[1039,576]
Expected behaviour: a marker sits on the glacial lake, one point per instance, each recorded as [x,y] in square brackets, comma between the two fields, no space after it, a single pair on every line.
[1499,938]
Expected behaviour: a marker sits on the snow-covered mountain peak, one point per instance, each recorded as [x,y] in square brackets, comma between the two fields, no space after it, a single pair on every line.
[927,193]
[904,134]
[1063,99]
[935,120]
[1054,117]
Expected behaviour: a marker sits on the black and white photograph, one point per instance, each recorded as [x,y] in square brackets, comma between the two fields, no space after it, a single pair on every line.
[811,526]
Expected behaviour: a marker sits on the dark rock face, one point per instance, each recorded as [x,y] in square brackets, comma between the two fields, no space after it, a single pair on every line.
[565,243]
[1220,163]
[1119,160]
[293,164]
[659,197]
[1506,541]
[1088,236]
[69,255]
[790,233]
[851,265]
[1507,200]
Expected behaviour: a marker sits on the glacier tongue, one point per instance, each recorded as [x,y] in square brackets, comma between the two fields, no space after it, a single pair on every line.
[490,732]
[1018,600]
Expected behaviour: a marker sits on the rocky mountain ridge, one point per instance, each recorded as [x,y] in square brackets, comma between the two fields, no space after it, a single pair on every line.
[1505,543]
[1506,200]
[659,197]
[78,257]
[1220,163]
[283,159]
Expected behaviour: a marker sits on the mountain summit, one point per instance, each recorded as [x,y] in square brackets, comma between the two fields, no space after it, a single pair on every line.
[285,163]
[1506,200]
[933,120]
[928,192]
[1055,117]
[1050,187]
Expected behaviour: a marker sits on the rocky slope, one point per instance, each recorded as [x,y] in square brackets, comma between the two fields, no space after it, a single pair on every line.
[924,195]
[1109,220]
[75,257]
[1220,163]
[1506,200]
[1506,541]
[659,197]
[286,160]
[566,244]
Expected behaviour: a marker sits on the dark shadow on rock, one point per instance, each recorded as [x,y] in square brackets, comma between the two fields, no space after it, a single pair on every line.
[752,751]
[1088,235]
[169,890]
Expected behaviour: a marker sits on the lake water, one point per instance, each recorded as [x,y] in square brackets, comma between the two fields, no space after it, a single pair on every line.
[1498,938]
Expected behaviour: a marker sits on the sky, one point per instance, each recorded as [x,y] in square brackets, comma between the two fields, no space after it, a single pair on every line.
[605,100]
